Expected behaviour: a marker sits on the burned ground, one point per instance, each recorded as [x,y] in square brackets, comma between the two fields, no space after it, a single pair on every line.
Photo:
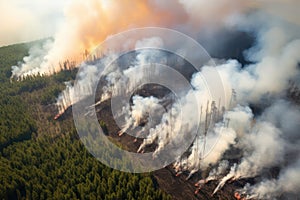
[166,178]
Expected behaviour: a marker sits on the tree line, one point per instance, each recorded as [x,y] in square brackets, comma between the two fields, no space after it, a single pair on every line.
[41,158]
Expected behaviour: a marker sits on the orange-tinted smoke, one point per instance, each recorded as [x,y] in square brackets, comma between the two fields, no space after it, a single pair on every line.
[90,22]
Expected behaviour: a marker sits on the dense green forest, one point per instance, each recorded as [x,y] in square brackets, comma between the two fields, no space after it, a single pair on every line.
[41,158]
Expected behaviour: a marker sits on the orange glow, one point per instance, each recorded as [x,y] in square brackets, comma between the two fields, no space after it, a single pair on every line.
[238,196]
[93,22]
[88,23]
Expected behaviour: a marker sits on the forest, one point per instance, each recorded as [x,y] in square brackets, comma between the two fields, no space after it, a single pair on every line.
[41,158]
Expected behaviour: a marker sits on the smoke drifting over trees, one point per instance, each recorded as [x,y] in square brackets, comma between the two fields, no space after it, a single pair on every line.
[266,139]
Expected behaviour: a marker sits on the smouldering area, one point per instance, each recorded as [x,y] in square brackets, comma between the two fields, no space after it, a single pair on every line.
[256,54]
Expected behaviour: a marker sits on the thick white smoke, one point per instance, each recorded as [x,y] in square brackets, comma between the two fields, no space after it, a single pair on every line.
[288,182]
[143,110]
[170,127]
[125,80]
[78,35]
[32,63]
[267,141]
[288,179]
[264,139]
[118,81]
[253,82]
[85,85]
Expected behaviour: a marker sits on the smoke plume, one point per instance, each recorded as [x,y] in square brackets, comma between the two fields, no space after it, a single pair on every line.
[265,139]
[79,35]
[260,123]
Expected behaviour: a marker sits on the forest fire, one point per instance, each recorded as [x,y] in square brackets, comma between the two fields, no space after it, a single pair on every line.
[57,116]
[238,196]
[227,126]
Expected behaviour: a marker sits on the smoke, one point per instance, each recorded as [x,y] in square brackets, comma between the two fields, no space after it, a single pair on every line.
[223,166]
[264,139]
[102,19]
[264,147]
[79,35]
[29,20]
[226,178]
[251,82]
[31,63]
[144,110]
[271,138]
[125,80]
[288,179]
[269,143]
[210,152]
[170,127]
[288,182]
[210,12]
[87,78]
[277,114]
[118,81]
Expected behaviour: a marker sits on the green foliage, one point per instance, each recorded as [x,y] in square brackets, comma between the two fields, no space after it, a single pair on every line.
[9,56]
[104,127]
[16,123]
[43,159]
[65,170]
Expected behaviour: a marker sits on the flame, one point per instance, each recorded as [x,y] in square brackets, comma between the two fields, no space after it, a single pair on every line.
[88,23]
[238,196]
